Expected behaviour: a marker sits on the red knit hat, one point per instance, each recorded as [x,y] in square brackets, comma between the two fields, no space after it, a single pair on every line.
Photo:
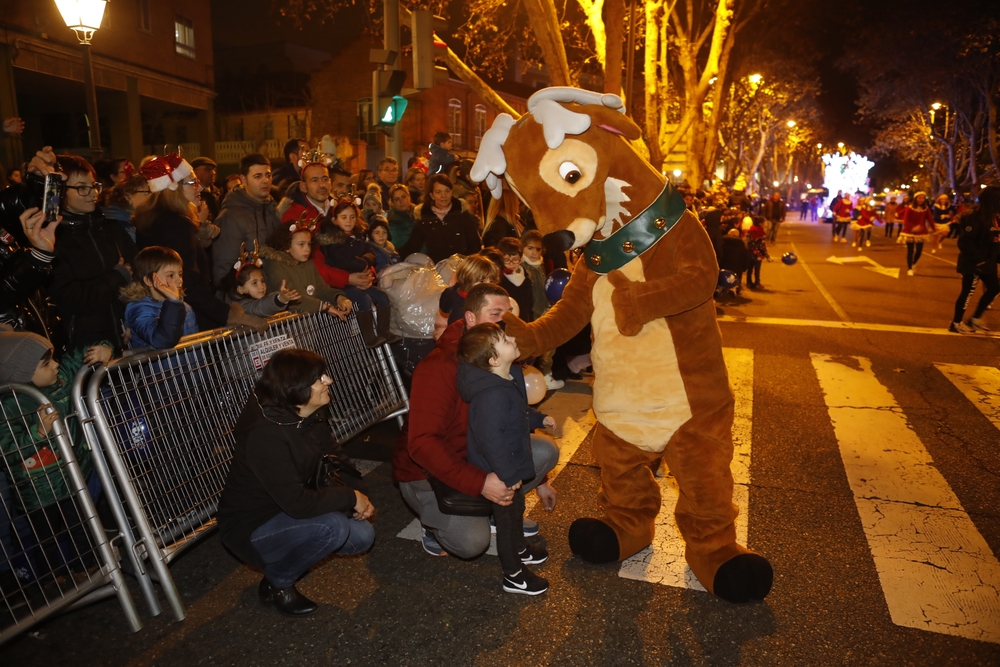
[165,172]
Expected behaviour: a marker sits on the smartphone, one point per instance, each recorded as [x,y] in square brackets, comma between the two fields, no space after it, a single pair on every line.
[50,201]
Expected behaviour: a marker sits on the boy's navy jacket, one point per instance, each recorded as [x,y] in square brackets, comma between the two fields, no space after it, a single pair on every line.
[500,422]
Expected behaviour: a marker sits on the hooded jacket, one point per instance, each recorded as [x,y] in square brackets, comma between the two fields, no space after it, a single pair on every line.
[440,159]
[500,422]
[243,219]
[300,276]
[88,272]
[276,453]
[457,233]
[978,244]
[158,324]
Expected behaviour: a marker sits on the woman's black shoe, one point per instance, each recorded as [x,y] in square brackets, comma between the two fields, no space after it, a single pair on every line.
[289,601]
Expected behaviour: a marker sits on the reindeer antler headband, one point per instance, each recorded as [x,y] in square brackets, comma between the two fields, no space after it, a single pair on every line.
[302,225]
[248,259]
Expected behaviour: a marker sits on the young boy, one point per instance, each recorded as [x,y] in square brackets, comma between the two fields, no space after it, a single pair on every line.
[515,280]
[33,460]
[499,441]
[441,155]
[155,311]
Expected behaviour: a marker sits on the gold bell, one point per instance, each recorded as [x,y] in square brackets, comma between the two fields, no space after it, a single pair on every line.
[628,247]
[595,260]
[660,223]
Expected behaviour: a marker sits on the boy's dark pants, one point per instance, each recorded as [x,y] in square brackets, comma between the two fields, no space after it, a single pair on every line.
[510,532]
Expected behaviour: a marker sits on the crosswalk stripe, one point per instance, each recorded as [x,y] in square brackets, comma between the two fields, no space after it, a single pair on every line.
[980,384]
[663,561]
[936,570]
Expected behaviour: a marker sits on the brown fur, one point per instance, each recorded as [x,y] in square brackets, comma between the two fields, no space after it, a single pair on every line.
[661,386]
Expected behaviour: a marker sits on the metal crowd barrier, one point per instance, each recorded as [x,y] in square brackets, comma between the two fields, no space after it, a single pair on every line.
[164,421]
[54,553]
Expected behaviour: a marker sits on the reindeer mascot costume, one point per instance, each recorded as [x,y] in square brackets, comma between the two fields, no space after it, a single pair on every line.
[645,284]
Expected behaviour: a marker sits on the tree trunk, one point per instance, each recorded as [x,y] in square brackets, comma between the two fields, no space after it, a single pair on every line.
[654,82]
[545,25]
[614,13]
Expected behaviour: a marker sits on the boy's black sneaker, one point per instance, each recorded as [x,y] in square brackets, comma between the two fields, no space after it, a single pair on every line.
[533,555]
[526,582]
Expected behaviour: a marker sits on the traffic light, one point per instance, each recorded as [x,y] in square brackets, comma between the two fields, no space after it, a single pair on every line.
[425,46]
[387,104]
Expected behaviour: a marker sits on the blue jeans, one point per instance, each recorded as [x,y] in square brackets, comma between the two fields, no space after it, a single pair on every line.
[289,547]
[363,298]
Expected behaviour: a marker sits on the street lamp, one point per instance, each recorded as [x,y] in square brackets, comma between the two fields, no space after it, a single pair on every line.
[755,78]
[819,146]
[790,124]
[84,18]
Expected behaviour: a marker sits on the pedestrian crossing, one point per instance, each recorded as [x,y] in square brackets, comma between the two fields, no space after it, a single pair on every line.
[936,571]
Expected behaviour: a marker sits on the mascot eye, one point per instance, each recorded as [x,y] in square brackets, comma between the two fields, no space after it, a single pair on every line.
[570,172]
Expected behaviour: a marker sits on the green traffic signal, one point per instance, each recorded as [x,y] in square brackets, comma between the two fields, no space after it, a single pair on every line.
[394,111]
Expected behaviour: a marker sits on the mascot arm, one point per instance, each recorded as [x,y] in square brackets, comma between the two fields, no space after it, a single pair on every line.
[563,321]
[690,283]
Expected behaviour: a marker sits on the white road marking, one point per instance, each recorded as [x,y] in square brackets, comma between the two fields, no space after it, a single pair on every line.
[663,561]
[875,266]
[857,326]
[841,313]
[575,419]
[936,570]
[980,384]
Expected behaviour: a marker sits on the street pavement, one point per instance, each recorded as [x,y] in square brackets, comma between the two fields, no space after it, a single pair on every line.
[867,468]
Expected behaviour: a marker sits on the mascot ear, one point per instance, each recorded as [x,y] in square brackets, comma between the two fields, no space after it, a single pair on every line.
[613,121]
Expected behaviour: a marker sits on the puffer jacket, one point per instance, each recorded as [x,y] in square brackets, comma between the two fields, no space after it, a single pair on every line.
[91,253]
[300,276]
[159,324]
[242,219]
[36,465]
[347,252]
[500,422]
[276,453]
[457,233]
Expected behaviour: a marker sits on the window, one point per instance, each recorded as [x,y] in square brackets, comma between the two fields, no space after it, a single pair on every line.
[143,21]
[268,129]
[455,122]
[480,123]
[184,36]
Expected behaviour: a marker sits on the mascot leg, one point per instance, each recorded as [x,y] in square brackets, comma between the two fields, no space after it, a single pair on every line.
[629,496]
[699,456]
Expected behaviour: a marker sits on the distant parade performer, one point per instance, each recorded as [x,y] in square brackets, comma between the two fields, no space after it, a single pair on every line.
[944,215]
[918,228]
[862,222]
[979,246]
[890,216]
[841,210]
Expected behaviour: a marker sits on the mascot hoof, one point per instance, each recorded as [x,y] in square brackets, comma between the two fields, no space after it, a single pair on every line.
[743,578]
[594,541]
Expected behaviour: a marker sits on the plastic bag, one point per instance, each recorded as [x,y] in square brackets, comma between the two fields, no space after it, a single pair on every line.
[414,293]
[447,268]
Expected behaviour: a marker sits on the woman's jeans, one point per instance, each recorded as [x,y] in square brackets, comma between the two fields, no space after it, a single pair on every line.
[289,547]
[364,298]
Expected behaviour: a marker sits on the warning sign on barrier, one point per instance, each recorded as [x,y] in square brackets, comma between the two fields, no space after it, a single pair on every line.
[261,352]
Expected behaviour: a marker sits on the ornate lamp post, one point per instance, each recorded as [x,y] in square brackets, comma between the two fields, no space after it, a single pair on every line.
[84,18]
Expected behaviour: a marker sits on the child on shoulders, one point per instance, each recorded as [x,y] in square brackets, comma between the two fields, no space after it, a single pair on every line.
[155,311]
[499,441]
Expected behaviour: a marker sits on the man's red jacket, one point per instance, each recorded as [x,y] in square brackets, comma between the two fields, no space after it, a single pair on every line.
[435,441]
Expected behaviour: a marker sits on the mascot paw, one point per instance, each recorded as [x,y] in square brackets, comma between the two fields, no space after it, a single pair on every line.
[623,301]
[743,578]
[594,541]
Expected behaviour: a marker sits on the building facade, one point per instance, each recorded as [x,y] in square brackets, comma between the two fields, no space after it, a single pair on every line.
[153,71]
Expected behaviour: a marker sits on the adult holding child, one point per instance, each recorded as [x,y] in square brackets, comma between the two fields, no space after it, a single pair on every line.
[435,443]
[276,513]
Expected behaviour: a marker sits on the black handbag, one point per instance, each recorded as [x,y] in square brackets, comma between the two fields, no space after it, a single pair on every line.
[452,501]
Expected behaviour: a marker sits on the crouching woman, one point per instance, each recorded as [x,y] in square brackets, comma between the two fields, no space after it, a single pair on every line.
[273,514]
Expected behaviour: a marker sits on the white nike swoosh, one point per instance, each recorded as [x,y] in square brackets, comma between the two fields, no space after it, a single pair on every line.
[517,585]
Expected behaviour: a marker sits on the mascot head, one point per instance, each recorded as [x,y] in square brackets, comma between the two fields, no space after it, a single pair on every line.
[570,161]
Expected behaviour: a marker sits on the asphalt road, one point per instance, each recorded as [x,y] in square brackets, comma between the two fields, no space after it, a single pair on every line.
[831,603]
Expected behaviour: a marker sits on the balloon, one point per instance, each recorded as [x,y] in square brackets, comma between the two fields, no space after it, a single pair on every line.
[727,279]
[534,382]
[514,308]
[420,259]
[789,258]
[555,283]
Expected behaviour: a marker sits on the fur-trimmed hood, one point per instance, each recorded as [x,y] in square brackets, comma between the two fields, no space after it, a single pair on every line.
[331,235]
[136,291]
[267,252]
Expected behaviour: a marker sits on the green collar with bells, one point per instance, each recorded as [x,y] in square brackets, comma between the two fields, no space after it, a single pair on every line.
[638,235]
